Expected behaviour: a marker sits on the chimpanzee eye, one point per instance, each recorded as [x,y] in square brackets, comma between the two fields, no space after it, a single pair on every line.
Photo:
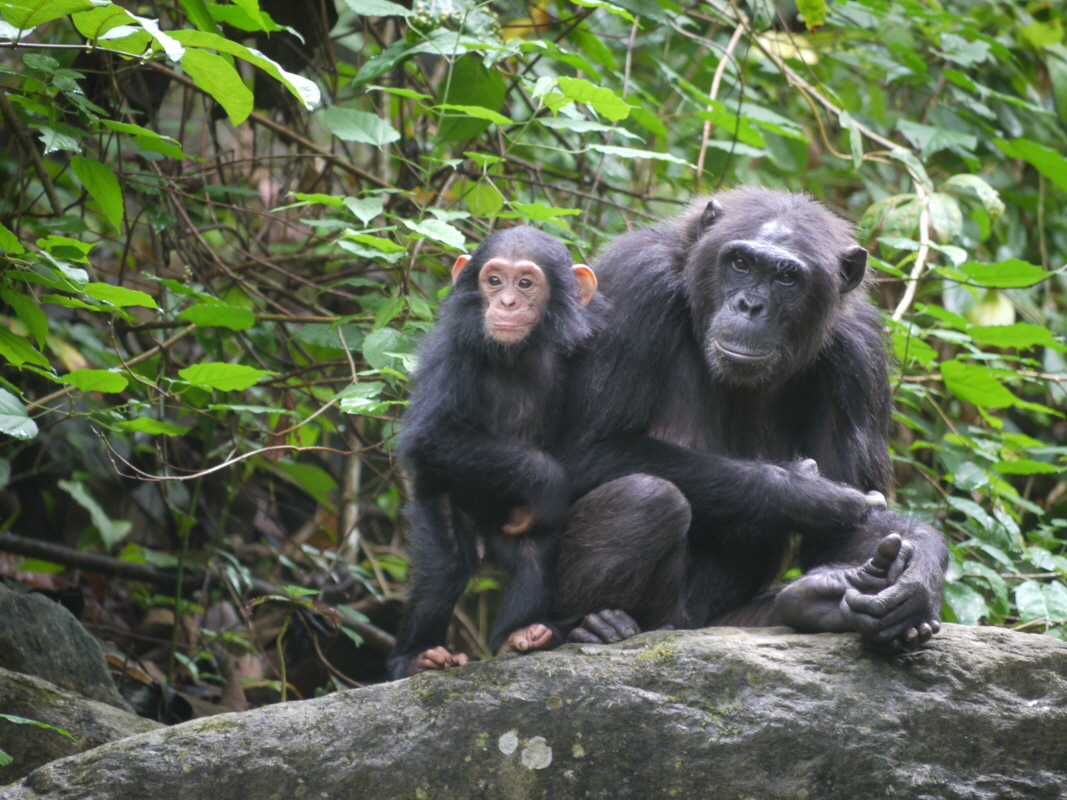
[493,280]
[739,264]
[525,283]
[786,278]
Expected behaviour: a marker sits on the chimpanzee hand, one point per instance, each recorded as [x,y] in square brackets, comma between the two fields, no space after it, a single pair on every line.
[520,520]
[822,506]
[604,627]
[545,499]
[904,614]
[814,602]
[436,658]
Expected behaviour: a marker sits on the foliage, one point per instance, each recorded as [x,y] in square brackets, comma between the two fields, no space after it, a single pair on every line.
[223,231]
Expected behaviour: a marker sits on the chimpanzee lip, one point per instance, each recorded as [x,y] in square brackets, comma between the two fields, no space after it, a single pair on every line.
[742,356]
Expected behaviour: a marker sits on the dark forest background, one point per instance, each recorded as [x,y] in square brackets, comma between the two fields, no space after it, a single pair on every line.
[224,228]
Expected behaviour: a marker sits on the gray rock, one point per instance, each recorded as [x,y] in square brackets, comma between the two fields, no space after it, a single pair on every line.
[722,713]
[39,637]
[91,723]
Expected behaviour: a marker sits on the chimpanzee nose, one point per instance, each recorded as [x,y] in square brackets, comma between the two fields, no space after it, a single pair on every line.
[749,305]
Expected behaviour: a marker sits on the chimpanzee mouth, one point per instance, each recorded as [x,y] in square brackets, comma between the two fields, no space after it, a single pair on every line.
[741,356]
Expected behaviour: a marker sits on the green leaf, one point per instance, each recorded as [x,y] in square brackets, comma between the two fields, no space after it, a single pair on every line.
[813,11]
[93,24]
[29,312]
[380,345]
[112,531]
[983,191]
[855,138]
[1021,336]
[945,215]
[387,311]
[223,315]
[219,78]
[102,185]
[18,351]
[377,8]
[66,248]
[365,208]
[474,111]
[484,199]
[1030,599]
[377,242]
[631,153]
[956,48]
[96,380]
[14,419]
[611,9]
[305,90]
[24,721]
[30,13]
[976,384]
[222,376]
[153,426]
[1011,273]
[9,242]
[119,295]
[198,14]
[929,139]
[146,139]
[1044,159]
[471,84]
[316,481]
[541,212]
[438,230]
[599,98]
[1026,466]
[351,125]
[966,604]
[362,398]
[251,8]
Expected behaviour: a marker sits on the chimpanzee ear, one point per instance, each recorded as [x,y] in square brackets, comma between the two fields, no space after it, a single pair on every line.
[586,282]
[457,268]
[853,267]
[712,211]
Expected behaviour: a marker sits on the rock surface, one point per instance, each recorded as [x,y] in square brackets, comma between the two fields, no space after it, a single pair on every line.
[39,637]
[721,713]
[90,722]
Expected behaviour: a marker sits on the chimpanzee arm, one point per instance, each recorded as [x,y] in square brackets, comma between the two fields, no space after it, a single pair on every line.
[442,563]
[725,491]
[466,462]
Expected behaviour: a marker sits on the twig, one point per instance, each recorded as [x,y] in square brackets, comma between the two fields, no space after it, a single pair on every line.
[715,81]
[30,148]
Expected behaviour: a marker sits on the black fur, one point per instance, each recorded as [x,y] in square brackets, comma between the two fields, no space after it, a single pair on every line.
[659,396]
[477,441]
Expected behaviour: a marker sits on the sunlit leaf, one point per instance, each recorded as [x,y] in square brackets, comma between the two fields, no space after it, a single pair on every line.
[153,426]
[102,185]
[206,315]
[119,295]
[18,350]
[216,76]
[96,380]
[599,98]
[14,419]
[224,377]
[351,125]
[1007,274]
[30,13]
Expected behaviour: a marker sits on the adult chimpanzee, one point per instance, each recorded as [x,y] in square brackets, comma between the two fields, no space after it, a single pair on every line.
[739,330]
[477,437]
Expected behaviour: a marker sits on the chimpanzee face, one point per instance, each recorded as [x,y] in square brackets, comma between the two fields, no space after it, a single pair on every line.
[764,299]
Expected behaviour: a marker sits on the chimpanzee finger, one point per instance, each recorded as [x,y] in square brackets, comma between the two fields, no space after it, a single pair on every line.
[582,636]
[808,468]
[876,501]
[622,622]
[900,563]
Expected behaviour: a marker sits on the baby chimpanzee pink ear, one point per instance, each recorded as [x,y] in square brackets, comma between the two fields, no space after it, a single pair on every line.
[457,268]
[586,282]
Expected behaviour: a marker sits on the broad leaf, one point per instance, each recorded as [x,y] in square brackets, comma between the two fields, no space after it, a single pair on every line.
[206,315]
[221,376]
[14,419]
[119,295]
[219,78]
[96,380]
[351,125]
[102,185]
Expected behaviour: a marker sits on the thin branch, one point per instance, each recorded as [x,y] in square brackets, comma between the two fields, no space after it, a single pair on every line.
[716,80]
[26,142]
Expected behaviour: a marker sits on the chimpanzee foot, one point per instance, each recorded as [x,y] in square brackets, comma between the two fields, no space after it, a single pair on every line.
[605,627]
[525,640]
[437,658]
